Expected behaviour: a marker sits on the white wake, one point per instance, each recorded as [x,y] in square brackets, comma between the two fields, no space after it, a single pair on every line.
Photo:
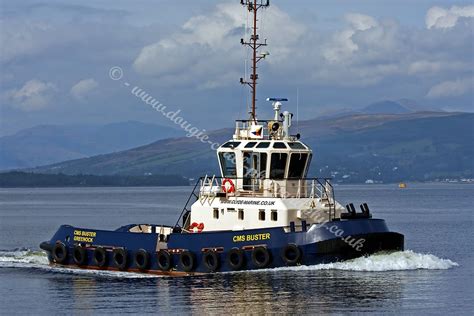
[28,259]
[396,261]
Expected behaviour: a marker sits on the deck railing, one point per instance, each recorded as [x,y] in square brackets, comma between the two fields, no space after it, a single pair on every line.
[209,188]
[243,127]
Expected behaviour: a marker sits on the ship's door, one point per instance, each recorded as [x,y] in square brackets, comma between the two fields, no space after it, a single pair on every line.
[254,167]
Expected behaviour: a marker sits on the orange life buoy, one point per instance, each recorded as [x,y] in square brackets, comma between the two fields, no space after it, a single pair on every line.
[231,187]
[199,227]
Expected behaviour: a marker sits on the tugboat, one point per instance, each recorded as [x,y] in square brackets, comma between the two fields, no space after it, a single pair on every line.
[261,212]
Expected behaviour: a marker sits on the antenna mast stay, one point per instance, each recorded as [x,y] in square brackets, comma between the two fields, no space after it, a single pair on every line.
[254,44]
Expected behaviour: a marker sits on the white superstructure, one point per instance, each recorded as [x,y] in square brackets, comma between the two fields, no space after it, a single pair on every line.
[263,181]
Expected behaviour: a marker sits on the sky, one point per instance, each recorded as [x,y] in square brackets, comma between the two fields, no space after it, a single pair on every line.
[56,58]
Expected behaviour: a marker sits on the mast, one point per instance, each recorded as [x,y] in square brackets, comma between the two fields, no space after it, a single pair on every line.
[254,44]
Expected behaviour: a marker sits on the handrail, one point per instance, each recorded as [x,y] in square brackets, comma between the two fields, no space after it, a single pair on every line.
[292,179]
[258,121]
[320,188]
[307,187]
[185,208]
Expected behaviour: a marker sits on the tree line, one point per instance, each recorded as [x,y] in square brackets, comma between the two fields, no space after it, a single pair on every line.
[18,179]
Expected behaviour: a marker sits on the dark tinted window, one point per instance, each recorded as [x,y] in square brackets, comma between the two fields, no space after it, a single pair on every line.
[296,146]
[297,165]
[254,167]
[231,145]
[309,163]
[277,166]
[274,216]
[250,144]
[279,145]
[263,165]
[249,170]
[228,164]
[263,145]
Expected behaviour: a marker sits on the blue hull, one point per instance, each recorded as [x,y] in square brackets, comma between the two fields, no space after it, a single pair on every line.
[319,243]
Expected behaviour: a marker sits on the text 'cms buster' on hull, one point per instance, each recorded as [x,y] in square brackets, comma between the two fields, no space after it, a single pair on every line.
[262,212]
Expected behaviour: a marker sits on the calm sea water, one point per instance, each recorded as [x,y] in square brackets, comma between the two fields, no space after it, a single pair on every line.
[434,276]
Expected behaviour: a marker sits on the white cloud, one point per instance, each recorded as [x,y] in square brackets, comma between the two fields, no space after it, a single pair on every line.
[342,45]
[364,40]
[83,88]
[361,22]
[326,57]
[34,95]
[206,45]
[441,18]
[424,67]
[197,45]
[451,88]
[23,37]
[365,51]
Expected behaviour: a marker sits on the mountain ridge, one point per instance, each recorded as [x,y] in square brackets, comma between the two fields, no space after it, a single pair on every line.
[351,145]
[46,144]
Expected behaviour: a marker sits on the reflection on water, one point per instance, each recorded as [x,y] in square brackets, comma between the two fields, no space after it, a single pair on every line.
[255,292]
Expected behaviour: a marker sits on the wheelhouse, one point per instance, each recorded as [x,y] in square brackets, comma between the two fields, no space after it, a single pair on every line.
[265,159]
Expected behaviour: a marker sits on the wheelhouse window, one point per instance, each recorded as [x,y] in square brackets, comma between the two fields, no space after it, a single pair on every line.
[231,145]
[279,145]
[297,165]
[228,164]
[278,166]
[263,145]
[274,215]
[250,144]
[241,214]
[261,215]
[296,145]
[255,165]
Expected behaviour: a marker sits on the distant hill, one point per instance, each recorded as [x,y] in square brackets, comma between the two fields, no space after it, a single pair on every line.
[383,147]
[48,144]
[416,149]
[402,106]
[385,107]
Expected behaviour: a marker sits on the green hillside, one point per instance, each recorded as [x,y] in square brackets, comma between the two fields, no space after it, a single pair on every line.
[419,146]
[419,150]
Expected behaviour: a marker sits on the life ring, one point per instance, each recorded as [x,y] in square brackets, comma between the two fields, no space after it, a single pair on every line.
[120,258]
[231,187]
[100,257]
[199,227]
[186,260]
[79,255]
[164,260]
[211,261]
[291,254]
[142,259]
[59,252]
[235,259]
[261,257]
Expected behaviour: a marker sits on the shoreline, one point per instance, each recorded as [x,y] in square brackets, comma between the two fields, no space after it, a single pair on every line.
[409,184]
